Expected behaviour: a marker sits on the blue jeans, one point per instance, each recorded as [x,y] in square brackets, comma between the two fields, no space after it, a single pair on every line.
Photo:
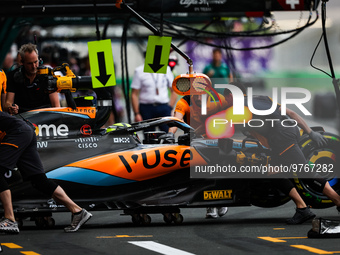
[150,111]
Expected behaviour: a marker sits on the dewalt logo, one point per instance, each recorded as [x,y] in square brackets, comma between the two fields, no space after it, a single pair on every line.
[217,194]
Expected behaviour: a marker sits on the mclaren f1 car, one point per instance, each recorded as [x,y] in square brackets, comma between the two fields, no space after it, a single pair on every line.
[112,169]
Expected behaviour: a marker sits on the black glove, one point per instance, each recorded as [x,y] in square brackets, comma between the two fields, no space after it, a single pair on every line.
[168,138]
[318,138]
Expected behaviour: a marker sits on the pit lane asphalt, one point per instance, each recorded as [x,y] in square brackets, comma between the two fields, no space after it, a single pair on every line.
[243,230]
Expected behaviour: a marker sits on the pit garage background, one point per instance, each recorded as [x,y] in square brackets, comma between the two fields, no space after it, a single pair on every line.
[267,43]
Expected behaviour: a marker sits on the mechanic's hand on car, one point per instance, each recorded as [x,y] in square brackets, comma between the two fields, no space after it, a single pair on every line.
[138,117]
[167,138]
[318,138]
[13,109]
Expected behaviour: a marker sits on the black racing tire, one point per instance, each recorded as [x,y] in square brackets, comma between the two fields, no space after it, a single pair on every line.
[40,222]
[326,163]
[264,194]
[167,217]
[145,219]
[178,218]
[136,219]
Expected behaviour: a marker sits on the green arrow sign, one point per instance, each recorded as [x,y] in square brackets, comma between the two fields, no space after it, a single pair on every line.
[157,54]
[101,64]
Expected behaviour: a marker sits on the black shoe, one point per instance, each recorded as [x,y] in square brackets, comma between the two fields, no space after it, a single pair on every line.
[301,215]
[338,208]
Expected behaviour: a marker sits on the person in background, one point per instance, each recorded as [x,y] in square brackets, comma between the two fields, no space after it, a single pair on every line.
[8,63]
[17,63]
[173,62]
[150,95]
[24,92]
[217,68]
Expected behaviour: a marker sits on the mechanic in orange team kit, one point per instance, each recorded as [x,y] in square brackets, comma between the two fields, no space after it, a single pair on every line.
[188,109]
[18,148]
[283,142]
[3,84]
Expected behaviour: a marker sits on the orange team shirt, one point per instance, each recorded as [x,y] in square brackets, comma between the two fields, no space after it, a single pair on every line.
[192,112]
[3,84]
[3,87]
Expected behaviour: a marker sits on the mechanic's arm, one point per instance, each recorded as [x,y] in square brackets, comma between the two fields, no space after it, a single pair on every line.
[54,99]
[300,121]
[3,102]
[135,104]
[173,98]
[315,136]
[177,115]
[10,106]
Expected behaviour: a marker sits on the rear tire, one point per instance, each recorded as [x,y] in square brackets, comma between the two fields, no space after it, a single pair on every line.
[329,160]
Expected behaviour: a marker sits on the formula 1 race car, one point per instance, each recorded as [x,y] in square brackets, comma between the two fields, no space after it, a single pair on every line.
[111,169]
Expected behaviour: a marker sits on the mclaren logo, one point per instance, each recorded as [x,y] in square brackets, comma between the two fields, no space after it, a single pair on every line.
[217,194]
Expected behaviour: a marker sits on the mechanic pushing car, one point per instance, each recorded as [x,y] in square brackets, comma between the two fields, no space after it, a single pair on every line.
[18,147]
[188,109]
[283,141]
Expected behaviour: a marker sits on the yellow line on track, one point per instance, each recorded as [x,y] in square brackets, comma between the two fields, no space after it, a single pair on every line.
[279,239]
[11,245]
[302,247]
[311,249]
[271,239]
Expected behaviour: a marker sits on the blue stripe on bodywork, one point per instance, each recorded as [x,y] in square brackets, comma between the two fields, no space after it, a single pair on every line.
[86,176]
[84,116]
[333,181]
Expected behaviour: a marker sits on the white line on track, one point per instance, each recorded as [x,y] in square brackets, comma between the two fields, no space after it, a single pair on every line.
[160,248]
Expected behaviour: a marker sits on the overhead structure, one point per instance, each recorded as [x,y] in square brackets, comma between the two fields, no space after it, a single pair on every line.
[20,8]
